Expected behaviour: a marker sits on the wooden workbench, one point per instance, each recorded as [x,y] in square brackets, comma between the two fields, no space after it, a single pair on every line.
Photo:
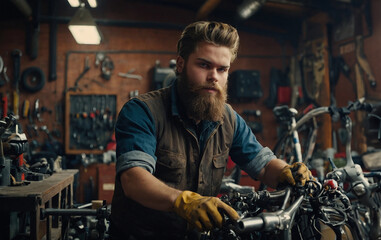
[56,191]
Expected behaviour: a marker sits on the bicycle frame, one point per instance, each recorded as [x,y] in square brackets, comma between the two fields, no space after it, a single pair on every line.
[292,131]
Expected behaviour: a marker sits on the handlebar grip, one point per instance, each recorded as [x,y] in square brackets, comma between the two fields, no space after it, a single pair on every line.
[250,224]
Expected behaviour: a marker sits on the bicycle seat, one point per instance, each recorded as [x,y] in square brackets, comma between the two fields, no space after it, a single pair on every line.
[284,113]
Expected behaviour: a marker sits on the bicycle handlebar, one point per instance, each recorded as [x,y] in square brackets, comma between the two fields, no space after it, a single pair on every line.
[288,202]
[268,221]
[333,111]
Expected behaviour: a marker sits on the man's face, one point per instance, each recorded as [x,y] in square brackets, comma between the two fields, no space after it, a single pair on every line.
[203,81]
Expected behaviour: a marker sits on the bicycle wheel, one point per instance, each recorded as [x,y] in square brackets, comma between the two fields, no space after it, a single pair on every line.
[348,230]
[336,225]
[306,228]
[368,219]
[345,231]
[285,148]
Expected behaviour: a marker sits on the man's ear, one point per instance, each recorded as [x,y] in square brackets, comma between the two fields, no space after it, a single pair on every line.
[179,64]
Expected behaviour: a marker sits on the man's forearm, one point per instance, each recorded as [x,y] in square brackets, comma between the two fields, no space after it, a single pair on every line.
[270,173]
[144,188]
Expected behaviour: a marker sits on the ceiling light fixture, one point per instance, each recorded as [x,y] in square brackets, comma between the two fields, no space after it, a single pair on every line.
[249,7]
[74,3]
[77,3]
[83,28]
[92,3]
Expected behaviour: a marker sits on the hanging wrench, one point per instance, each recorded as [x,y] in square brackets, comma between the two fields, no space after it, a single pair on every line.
[3,69]
[2,82]
[130,75]
[37,111]
[85,70]
[16,55]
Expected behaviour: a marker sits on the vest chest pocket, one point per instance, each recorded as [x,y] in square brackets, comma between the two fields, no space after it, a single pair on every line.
[218,170]
[170,167]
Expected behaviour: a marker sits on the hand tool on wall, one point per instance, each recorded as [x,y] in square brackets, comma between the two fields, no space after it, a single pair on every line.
[99,57]
[2,80]
[85,70]
[360,116]
[130,75]
[363,62]
[16,55]
[107,67]
[5,76]
[25,109]
[37,112]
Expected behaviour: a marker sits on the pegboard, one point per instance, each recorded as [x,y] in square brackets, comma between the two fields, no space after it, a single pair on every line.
[89,121]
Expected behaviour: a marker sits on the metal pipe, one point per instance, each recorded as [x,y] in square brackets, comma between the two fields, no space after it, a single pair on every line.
[68,212]
[53,44]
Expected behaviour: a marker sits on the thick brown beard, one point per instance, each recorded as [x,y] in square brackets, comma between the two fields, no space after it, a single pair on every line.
[202,106]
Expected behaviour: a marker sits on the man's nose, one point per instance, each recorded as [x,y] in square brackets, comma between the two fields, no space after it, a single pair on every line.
[212,75]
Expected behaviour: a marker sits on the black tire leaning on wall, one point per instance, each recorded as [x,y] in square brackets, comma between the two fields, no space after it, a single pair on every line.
[33,79]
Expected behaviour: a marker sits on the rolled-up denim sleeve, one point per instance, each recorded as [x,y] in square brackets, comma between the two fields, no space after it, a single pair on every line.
[247,152]
[135,137]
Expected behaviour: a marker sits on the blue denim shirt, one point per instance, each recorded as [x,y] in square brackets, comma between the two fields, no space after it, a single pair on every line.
[136,139]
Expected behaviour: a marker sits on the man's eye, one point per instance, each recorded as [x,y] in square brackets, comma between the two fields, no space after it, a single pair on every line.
[203,65]
[222,70]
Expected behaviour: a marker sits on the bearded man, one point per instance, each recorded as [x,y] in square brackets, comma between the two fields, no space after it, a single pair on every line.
[173,145]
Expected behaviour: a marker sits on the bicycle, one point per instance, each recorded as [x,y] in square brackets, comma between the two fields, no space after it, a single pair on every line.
[292,213]
[289,148]
[362,194]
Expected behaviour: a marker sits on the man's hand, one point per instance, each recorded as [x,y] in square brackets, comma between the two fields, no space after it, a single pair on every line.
[202,212]
[295,173]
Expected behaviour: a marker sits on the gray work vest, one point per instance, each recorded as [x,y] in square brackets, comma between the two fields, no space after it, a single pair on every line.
[180,164]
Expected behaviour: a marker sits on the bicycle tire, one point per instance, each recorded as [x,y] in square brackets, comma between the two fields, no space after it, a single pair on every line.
[365,218]
[33,79]
[307,227]
[284,147]
[348,230]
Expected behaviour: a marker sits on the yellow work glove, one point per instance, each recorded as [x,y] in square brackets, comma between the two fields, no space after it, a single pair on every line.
[295,173]
[202,212]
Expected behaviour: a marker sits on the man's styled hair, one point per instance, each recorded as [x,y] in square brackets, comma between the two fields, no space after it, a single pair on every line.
[218,33]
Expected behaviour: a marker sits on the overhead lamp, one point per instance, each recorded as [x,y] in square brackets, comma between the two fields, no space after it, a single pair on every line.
[92,3]
[77,3]
[249,7]
[83,28]
[74,3]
